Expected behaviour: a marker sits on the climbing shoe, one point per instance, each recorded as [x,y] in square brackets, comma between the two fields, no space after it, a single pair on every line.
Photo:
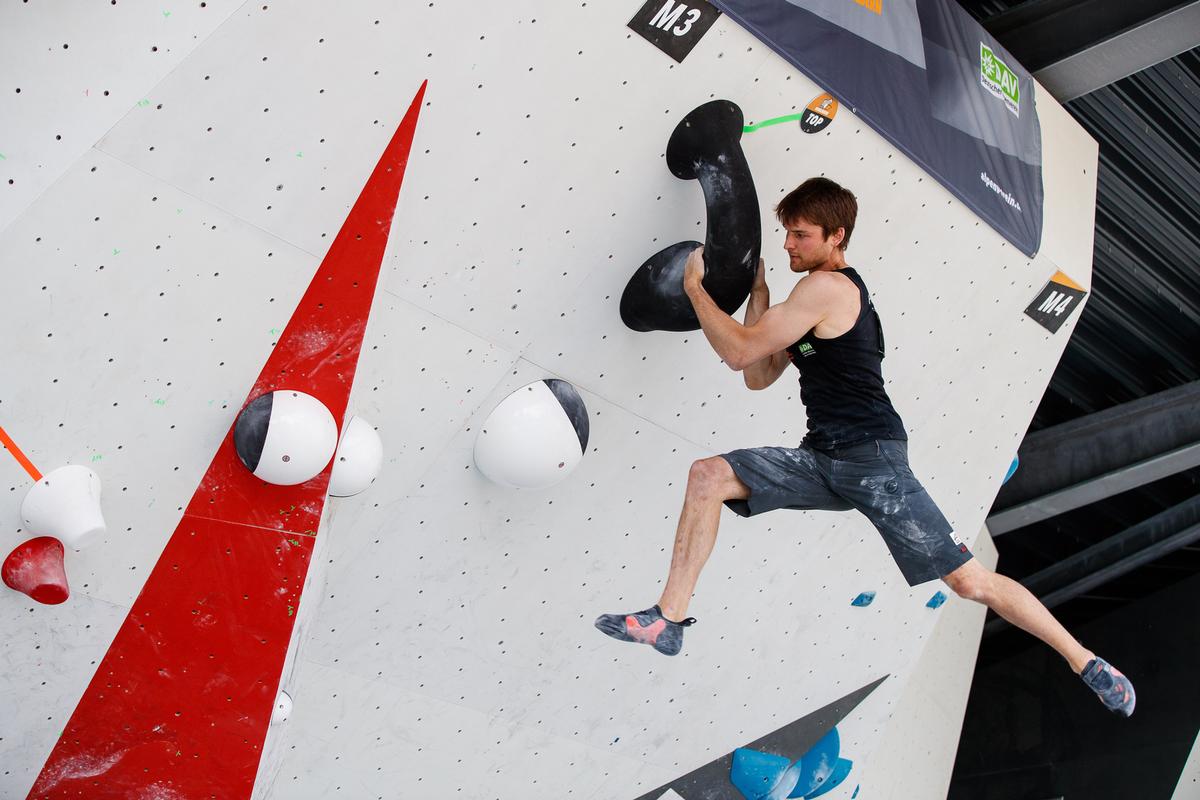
[648,627]
[1113,688]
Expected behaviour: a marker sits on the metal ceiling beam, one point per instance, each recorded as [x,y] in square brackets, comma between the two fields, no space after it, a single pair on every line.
[1113,549]
[1133,50]
[1180,539]
[1088,492]
[1149,540]
[1043,32]
[1119,445]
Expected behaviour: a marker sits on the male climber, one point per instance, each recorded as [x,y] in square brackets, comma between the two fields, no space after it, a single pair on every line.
[854,455]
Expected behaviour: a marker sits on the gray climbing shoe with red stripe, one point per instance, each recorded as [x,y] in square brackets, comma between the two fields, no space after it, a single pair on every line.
[647,627]
[1113,688]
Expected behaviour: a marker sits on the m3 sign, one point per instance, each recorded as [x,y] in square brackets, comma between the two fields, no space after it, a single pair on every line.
[673,26]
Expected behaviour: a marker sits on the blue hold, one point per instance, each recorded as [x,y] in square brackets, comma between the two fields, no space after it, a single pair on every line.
[1012,468]
[840,772]
[762,776]
[864,599]
[937,600]
[766,776]
[856,788]
[817,765]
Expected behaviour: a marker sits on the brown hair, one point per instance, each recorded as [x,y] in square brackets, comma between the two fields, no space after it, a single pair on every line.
[820,201]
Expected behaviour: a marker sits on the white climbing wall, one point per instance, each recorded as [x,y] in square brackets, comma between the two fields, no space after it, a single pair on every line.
[1188,786]
[927,718]
[444,644]
[72,70]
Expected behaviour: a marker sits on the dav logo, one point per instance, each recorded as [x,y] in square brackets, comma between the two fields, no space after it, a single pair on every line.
[998,79]
[805,349]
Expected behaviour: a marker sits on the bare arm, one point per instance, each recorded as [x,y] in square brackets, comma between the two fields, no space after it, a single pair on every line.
[765,371]
[739,345]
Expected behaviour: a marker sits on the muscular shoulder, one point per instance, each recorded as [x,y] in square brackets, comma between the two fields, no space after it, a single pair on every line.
[823,288]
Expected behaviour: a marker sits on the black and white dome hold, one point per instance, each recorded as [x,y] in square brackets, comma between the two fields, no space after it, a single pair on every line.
[285,437]
[534,437]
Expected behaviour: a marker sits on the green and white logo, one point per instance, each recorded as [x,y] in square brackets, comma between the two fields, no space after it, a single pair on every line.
[806,349]
[997,78]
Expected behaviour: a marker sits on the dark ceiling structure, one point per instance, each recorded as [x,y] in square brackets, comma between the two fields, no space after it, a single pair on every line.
[1102,518]
[1105,506]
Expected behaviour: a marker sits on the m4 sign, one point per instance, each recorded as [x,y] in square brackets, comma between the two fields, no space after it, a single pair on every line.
[673,26]
[1056,301]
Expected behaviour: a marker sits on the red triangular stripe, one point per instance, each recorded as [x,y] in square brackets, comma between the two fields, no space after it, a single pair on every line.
[182,700]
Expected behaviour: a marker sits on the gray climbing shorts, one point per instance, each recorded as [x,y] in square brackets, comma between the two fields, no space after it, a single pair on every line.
[873,477]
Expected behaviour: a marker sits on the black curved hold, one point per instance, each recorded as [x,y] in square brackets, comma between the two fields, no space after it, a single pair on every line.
[572,404]
[250,430]
[705,146]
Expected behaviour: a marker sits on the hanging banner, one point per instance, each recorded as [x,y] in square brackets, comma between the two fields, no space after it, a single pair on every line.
[930,80]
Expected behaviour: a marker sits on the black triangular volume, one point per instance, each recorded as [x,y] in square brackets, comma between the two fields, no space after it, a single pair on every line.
[711,782]
[571,403]
[250,432]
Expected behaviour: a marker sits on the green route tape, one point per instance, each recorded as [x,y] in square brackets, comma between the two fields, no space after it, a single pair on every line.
[767,122]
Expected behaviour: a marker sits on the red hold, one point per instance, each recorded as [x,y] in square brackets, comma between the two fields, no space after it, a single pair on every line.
[36,568]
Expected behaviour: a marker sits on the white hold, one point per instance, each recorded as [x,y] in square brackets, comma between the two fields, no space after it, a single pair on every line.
[528,441]
[286,437]
[283,708]
[66,505]
[358,459]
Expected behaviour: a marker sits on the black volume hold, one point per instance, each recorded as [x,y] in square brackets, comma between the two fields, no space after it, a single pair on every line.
[705,146]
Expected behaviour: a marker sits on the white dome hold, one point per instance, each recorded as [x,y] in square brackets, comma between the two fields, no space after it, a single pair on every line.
[66,505]
[285,437]
[535,437]
[358,459]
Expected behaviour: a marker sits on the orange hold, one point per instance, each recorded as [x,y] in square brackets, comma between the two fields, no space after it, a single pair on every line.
[36,568]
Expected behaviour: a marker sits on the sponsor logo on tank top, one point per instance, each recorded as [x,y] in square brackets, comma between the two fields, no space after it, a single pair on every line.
[795,351]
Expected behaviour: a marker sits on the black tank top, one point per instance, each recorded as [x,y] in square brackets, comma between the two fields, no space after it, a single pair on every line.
[841,382]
